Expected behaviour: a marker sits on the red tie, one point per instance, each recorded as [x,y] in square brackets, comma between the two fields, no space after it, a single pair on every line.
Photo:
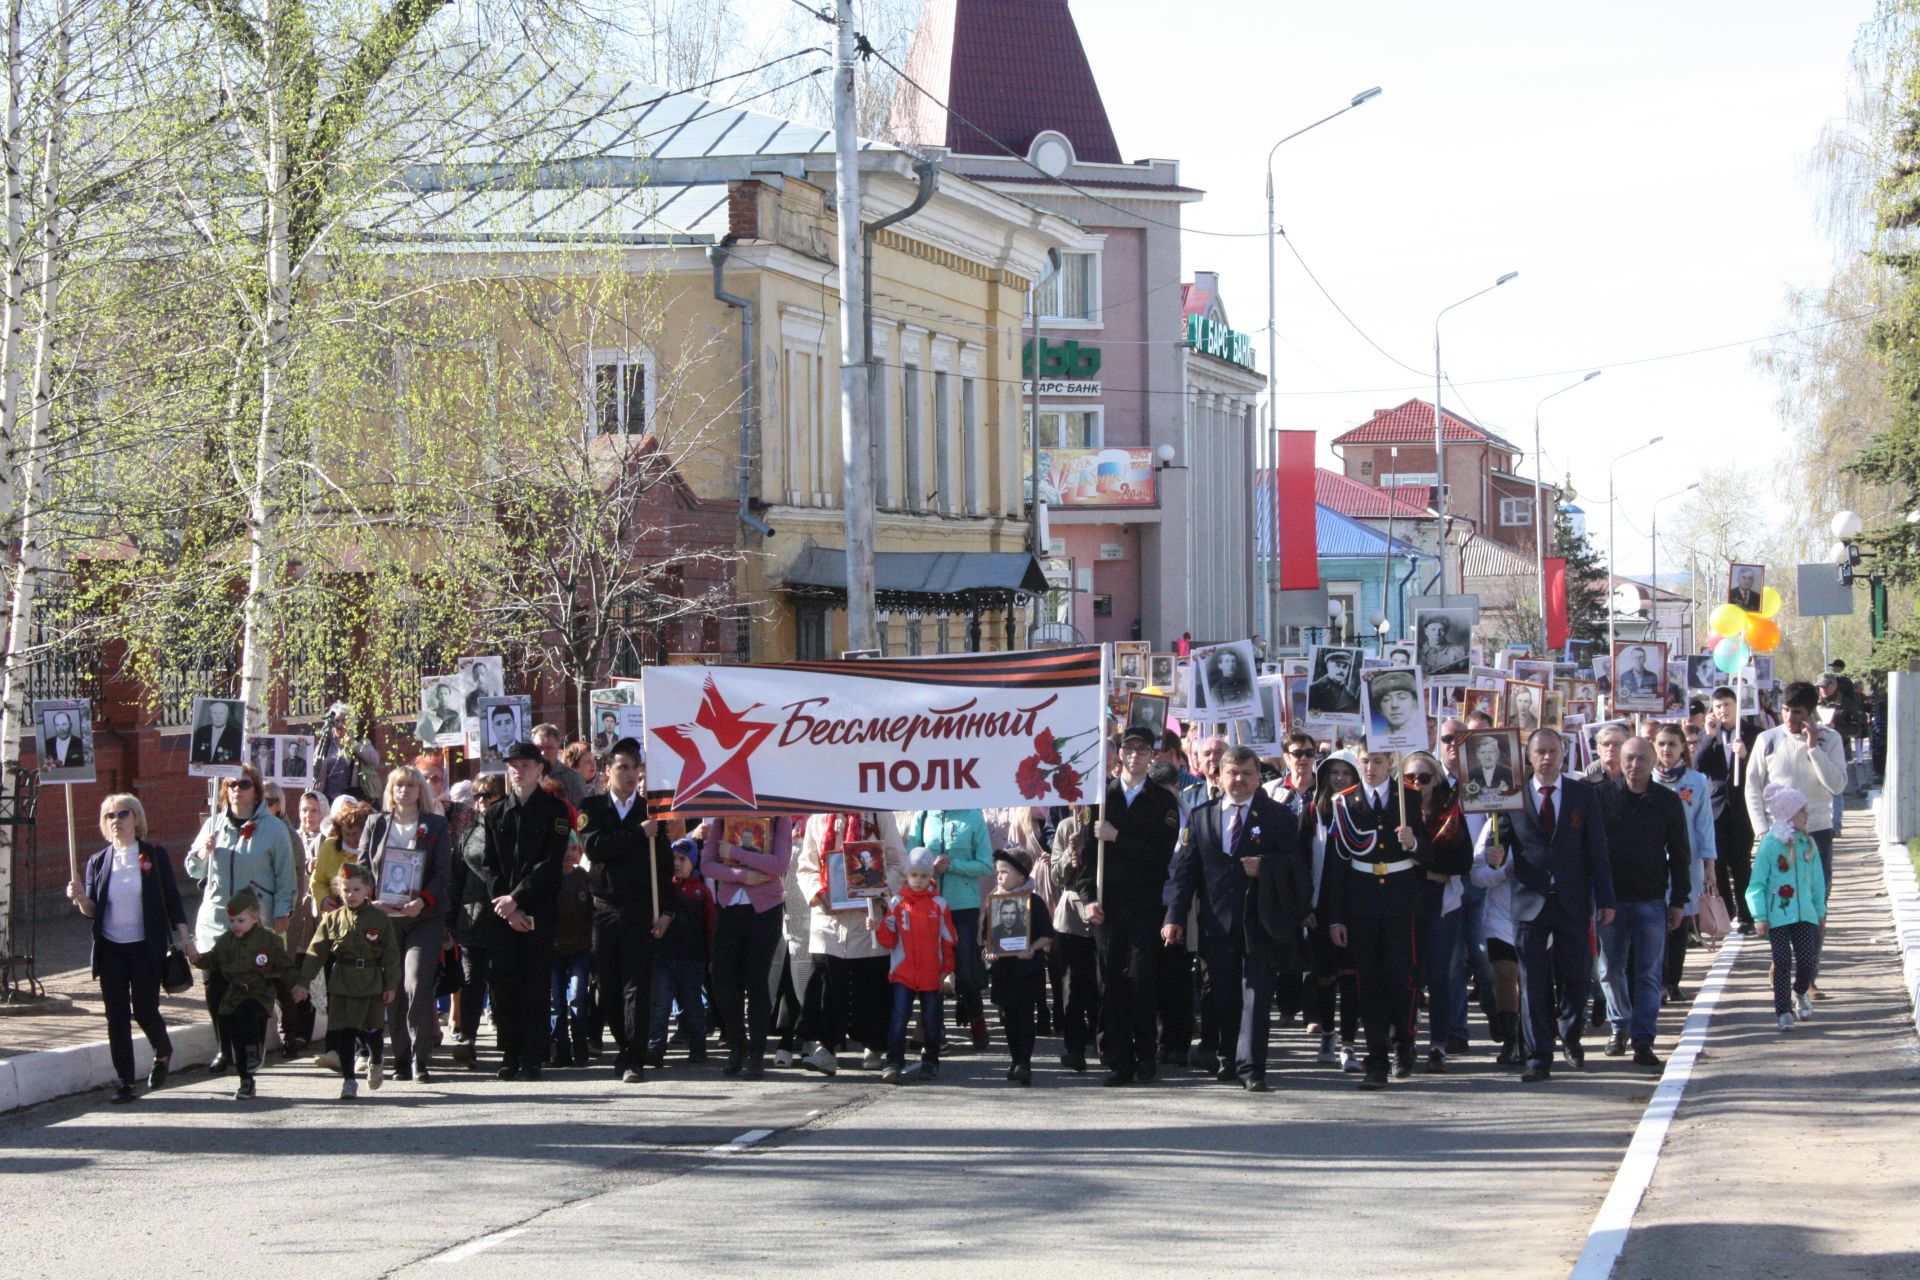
[1546,814]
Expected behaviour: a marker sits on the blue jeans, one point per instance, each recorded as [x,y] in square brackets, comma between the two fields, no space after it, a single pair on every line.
[678,982]
[931,1012]
[969,967]
[567,1000]
[1633,952]
[1435,937]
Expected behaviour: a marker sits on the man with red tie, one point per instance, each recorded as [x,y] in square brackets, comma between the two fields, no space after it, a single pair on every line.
[1555,853]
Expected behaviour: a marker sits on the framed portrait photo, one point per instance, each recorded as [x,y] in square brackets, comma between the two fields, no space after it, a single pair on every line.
[1161,669]
[504,721]
[442,721]
[1444,640]
[1745,582]
[216,748]
[1223,679]
[65,747]
[1400,654]
[1640,675]
[1147,711]
[1333,689]
[1486,702]
[1396,713]
[1522,705]
[1534,671]
[1491,771]
[480,677]
[293,760]
[1009,922]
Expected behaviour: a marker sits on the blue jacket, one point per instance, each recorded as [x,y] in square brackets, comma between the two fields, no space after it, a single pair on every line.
[160,907]
[1695,792]
[960,834]
[260,860]
[1787,885]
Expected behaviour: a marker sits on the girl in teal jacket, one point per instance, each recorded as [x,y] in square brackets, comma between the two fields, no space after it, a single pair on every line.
[1787,894]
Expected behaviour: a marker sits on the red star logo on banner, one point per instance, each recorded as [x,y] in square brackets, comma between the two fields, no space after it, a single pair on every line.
[721,735]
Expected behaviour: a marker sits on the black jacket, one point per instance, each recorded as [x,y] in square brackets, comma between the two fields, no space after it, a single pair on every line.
[524,844]
[160,908]
[1231,901]
[1729,778]
[1137,862]
[1647,843]
[618,852]
[1349,887]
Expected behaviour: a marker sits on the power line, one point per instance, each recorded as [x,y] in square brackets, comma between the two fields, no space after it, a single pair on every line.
[1351,322]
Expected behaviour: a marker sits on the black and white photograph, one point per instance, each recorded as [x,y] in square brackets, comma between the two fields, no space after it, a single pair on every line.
[1223,679]
[215,749]
[1401,654]
[66,739]
[1745,582]
[1491,772]
[1480,701]
[1147,711]
[1534,671]
[482,677]
[1553,708]
[1587,691]
[1269,726]
[1762,669]
[1445,640]
[1130,658]
[295,761]
[1640,675]
[1009,926]
[1522,706]
[442,711]
[1396,717]
[504,721]
[260,755]
[1160,672]
[1333,692]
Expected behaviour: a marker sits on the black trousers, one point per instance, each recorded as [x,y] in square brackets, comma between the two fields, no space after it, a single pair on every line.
[1254,1035]
[1556,950]
[1384,957]
[520,974]
[623,947]
[130,990]
[1677,943]
[474,960]
[1733,861]
[744,942]
[1017,996]
[1130,960]
[1220,989]
[216,989]
[1176,999]
[847,999]
[1080,1010]
[246,1029]
[344,1041]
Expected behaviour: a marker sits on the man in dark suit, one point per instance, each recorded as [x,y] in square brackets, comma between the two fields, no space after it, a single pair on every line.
[1726,744]
[1334,692]
[218,740]
[1142,823]
[64,750]
[1231,846]
[527,832]
[1369,896]
[1555,853]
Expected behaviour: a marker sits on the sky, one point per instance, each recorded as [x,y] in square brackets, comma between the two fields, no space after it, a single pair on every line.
[1642,164]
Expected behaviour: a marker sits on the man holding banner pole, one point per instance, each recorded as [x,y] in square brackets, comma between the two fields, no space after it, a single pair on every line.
[1138,828]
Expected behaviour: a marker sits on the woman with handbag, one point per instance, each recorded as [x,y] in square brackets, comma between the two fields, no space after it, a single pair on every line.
[129,892]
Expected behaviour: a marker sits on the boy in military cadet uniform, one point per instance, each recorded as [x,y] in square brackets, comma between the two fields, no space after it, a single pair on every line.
[356,944]
[253,961]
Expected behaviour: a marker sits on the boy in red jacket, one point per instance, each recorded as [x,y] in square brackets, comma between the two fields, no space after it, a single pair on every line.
[918,929]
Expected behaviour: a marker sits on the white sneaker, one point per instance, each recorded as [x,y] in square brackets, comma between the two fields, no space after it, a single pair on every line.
[1786,1022]
[783,1057]
[328,1061]
[873,1060]
[1804,1007]
[376,1074]
[821,1060]
[1350,1060]
[1327,1052]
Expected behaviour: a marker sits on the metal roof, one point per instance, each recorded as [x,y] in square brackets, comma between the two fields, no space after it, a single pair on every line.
[1335,535]
[922,573]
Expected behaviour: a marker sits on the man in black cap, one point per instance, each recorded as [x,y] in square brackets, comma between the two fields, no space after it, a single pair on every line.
[1139,826]
[629,864]
[525,845]
[1333,692]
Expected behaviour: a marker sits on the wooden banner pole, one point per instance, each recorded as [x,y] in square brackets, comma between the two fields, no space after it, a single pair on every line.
[73,842]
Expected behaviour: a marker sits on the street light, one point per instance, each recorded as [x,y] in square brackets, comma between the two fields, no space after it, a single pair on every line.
[1539,517]
[1613,557]
[1847,527]
[1439,439]
[1653,582]
[1270,442]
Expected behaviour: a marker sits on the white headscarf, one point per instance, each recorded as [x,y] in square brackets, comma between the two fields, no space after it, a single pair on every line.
[1783,802]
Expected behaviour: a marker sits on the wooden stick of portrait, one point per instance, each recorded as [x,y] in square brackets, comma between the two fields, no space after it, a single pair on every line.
[73,842]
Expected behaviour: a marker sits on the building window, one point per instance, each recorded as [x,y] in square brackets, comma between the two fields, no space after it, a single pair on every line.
[915,496]
[943,445]
[1516,512]
[1072,294]
[1068,429]
[1341,630]
[970,443]
[810,644]
[913,637]
[621,384]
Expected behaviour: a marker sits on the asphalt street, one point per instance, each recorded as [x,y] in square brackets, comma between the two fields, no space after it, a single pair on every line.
[1467,1174]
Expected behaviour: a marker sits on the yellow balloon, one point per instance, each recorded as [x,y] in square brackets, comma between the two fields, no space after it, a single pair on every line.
[1728,620]
[1770,602]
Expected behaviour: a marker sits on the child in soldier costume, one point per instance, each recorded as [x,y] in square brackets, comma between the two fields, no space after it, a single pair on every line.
[356,946]
[253,961]
[1017,980]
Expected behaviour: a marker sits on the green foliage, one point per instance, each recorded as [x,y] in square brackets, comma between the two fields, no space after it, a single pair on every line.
[1587,586]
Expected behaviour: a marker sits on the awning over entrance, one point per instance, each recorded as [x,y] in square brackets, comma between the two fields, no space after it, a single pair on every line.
[924,580]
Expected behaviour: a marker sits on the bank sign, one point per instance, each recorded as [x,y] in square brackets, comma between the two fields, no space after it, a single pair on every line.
[1065,369]
[1209,337]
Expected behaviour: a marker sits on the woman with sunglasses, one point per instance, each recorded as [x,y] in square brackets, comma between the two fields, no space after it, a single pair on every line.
[241,846]
[1437,926]
[129,892]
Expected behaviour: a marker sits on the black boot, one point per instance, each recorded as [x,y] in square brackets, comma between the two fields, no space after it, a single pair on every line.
[1509,1031]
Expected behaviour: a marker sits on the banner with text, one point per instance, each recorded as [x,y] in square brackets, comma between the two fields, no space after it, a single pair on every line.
[969,731]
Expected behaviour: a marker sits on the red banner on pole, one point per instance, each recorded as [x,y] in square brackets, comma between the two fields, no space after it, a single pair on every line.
[1298,531]
[1556,602]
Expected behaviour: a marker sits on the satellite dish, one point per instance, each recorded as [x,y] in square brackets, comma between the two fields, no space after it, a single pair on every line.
[1626,599]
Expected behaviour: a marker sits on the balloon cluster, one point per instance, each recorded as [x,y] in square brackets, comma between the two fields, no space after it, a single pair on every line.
[1739,633]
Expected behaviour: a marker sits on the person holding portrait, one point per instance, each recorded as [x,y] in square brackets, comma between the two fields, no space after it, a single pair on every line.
[409,843]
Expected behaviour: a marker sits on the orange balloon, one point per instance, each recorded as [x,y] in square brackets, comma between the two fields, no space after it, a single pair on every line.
[1763,634]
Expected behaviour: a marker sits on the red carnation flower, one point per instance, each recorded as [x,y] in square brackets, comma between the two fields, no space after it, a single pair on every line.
[246,831]
[1048,750]
[422,835]
[1031,779]
[1784,864]
[1786,893]
[1066,783]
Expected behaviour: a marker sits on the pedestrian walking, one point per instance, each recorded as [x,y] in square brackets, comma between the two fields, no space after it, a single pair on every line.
[629,862]
[1803,754]
[527,836]
[251,962]
[1017,980]
[409,850]
[918,932]
[1788,897]
[1651,861]
[750,896]
[355,947]
[962,853]
[680,959]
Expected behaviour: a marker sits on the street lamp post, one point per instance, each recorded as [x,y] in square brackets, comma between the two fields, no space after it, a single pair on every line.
[1653,536]
[1439,435]
[1613,555]
[1846,528]
[1272,438]
[1539,515]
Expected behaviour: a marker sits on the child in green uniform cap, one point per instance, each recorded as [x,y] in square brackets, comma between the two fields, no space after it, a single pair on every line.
[355,944]
[252,960]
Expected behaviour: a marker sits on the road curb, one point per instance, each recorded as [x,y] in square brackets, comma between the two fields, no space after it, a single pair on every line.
[31,1078]
[1903,901]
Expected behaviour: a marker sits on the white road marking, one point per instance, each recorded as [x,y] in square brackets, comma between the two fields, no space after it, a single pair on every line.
[471,1247]
[740,1143]
[1608,1234]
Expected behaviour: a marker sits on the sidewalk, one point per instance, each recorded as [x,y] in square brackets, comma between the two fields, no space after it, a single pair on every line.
[1798,1153]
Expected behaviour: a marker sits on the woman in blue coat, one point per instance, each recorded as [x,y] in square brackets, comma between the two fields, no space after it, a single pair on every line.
[1675,772]
[129,892]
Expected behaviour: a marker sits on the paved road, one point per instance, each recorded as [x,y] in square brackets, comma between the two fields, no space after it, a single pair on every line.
[1315,1178]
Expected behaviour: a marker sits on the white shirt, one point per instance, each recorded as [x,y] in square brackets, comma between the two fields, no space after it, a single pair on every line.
[624,807]
[125,920]
[1541,792]
[1132,793]
[1233,817]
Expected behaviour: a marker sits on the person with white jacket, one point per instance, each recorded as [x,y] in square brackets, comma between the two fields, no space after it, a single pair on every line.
[1810,758]
[847,997]
[1497,913]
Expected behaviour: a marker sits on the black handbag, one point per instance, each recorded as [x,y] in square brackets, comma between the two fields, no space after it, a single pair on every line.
[176,975]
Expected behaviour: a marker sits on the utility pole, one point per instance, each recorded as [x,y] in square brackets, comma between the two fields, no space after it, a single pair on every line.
[856,429]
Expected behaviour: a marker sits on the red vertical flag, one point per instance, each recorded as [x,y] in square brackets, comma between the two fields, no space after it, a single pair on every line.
[1556,602]
[1293,499]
